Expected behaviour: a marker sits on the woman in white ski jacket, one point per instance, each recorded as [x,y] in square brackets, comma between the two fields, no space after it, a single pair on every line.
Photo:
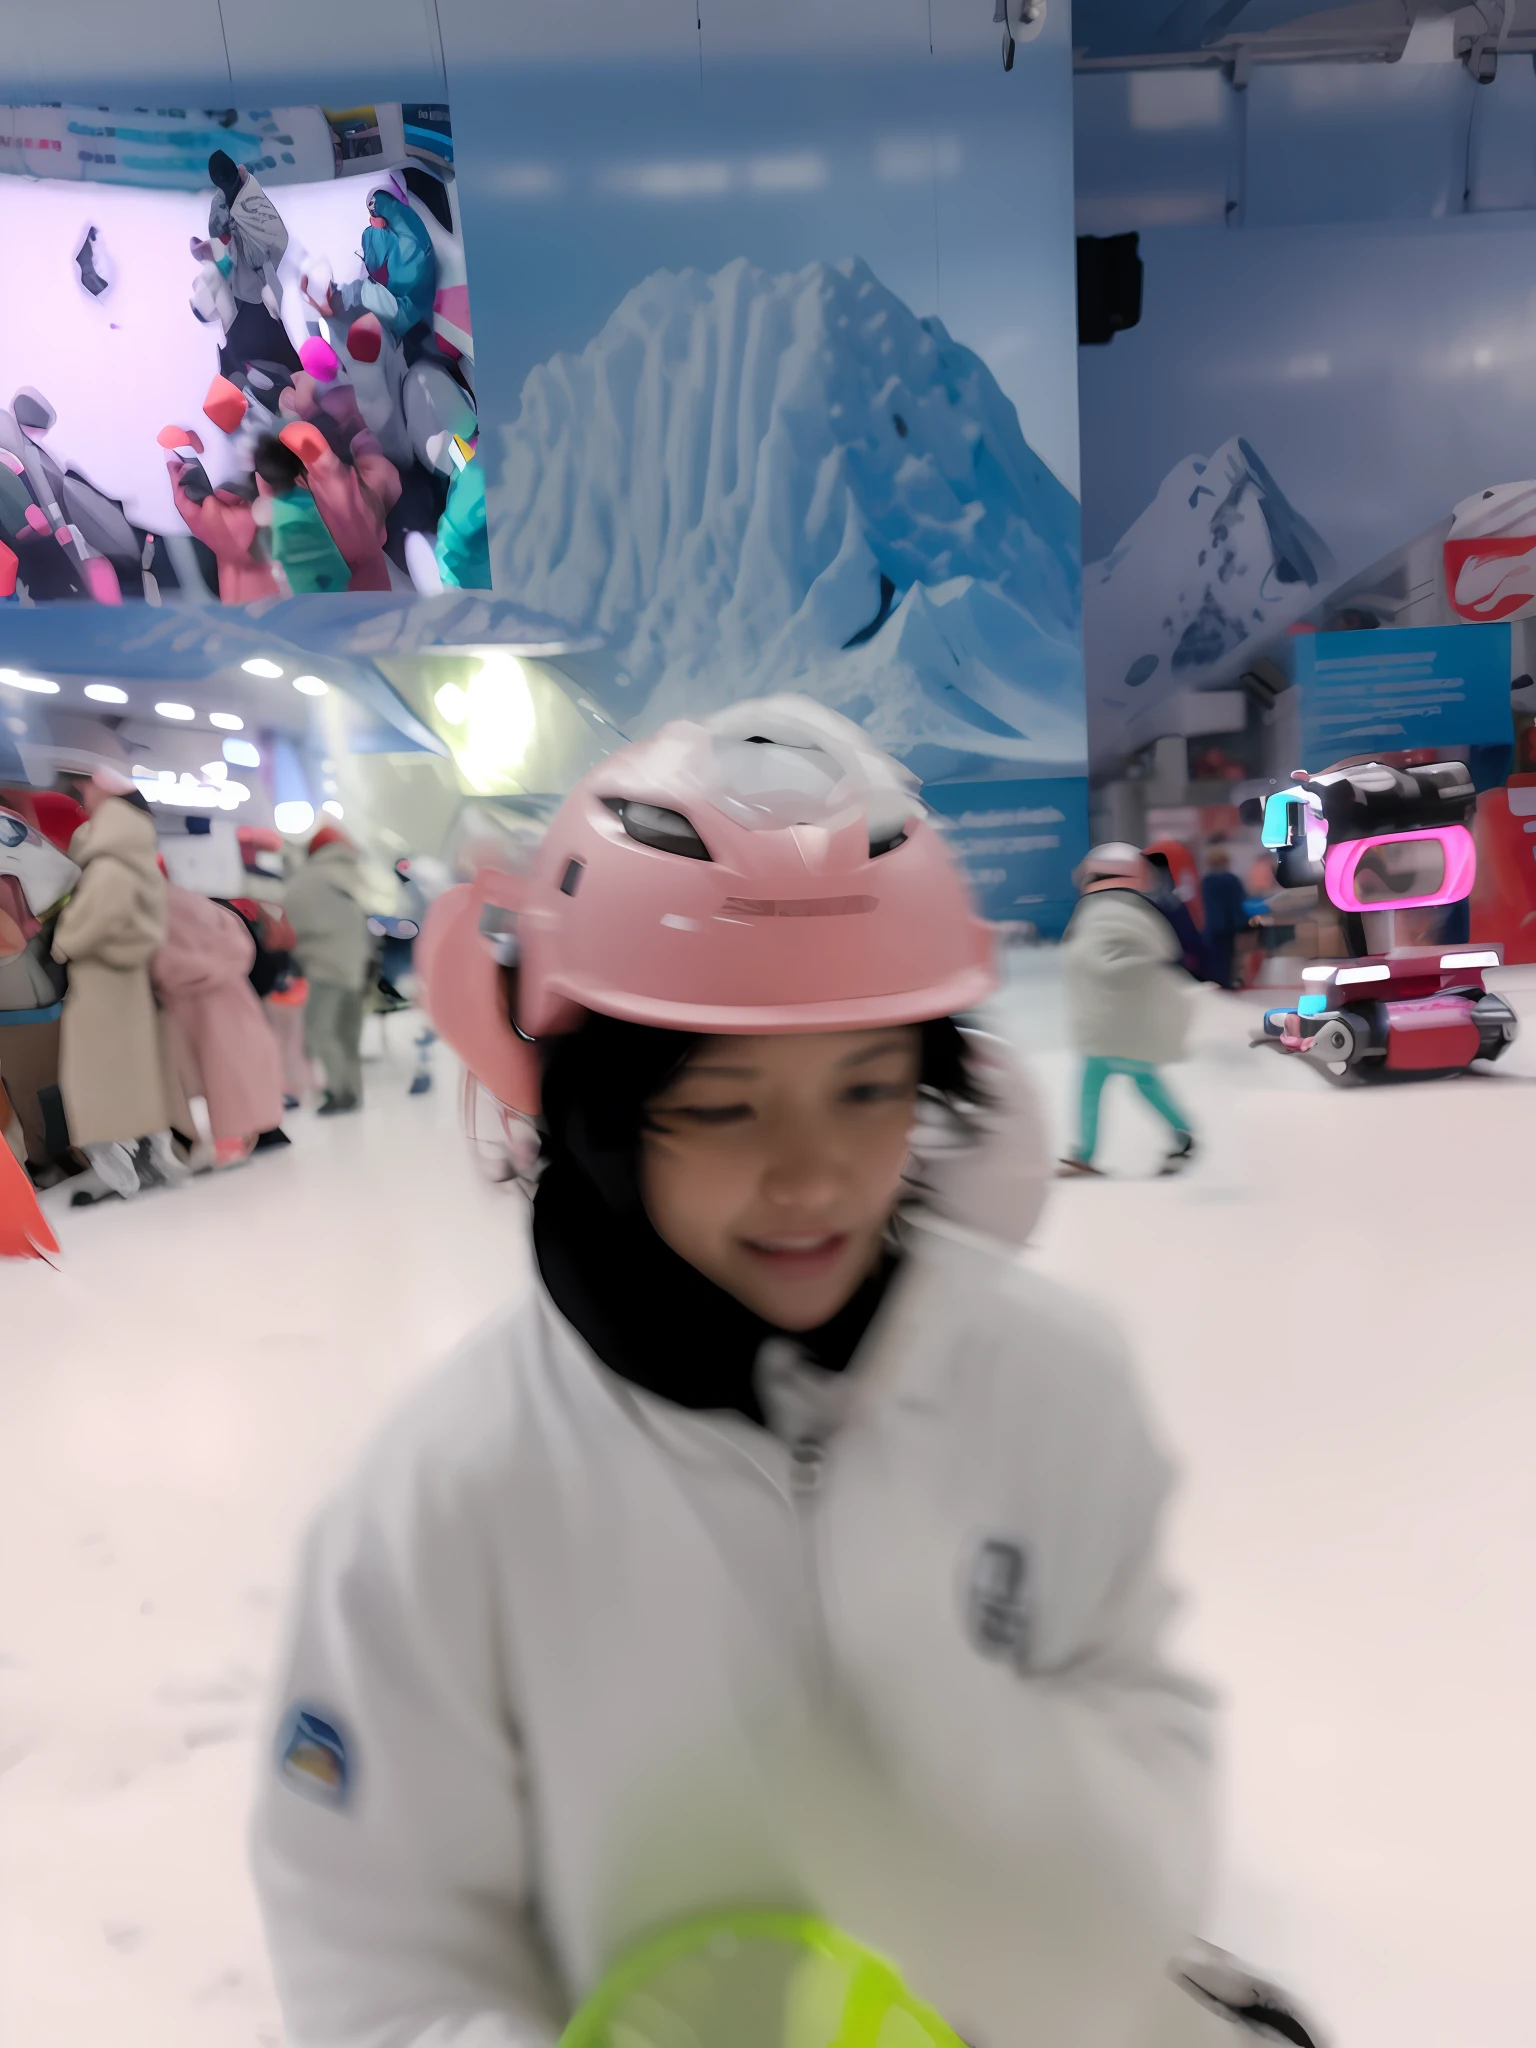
[788,1545]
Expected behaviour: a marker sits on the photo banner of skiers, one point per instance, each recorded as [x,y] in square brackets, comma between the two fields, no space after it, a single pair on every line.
[238,362]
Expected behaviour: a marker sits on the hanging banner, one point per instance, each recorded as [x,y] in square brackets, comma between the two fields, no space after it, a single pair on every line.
[1440,687]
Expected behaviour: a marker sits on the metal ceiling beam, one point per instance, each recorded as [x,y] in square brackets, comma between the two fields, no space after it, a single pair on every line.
[1375,32]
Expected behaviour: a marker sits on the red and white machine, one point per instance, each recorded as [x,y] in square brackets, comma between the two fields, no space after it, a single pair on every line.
[1380,840]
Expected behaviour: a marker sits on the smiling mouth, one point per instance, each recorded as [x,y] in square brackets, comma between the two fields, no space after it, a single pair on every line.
[803,1256]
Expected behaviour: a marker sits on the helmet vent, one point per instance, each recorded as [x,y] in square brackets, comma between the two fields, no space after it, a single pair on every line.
[886,844]
[570,881]
[666,831]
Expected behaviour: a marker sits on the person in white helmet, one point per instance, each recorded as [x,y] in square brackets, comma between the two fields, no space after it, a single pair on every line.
[1127,997]
[788,1543]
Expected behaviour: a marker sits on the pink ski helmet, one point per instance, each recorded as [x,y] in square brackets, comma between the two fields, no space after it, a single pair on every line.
[768,870]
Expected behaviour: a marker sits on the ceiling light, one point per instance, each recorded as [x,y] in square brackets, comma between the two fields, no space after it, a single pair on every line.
[213,771]
[106,693]
[15,681]
[310,686]
[333,808]
[226,721]
[241,754]
[452,703]
[175,711]
[261,667]
[293,817]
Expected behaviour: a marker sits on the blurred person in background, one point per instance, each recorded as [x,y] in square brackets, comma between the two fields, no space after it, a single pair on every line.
[1161,891]
[201,974]
[789,1541]
[335,949]
[423,878]
[275,974]
[110,1057]
[1127,997]
[35,878]
[1225,902]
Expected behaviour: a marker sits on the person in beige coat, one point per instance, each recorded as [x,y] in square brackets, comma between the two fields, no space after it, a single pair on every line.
[335,950]
[111,1062]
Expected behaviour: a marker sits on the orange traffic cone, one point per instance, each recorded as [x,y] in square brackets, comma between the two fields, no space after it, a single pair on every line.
[24,1231]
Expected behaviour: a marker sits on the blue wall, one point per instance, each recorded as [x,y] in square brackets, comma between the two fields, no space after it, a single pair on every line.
[1340,261]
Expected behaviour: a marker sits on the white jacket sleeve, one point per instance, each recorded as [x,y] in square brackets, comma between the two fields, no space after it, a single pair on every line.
[1078,1773]
[394,1882]
[1092,1712]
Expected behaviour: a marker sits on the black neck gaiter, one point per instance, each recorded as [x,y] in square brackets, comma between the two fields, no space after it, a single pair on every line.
[650,1316]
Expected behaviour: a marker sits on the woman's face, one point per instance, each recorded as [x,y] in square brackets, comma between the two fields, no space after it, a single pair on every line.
[773,1164]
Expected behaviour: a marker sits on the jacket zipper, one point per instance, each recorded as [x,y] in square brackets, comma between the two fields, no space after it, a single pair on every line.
[808,1459]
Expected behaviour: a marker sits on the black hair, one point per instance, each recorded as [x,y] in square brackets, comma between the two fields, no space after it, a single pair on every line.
[277,465]
[134,797]
[648,1314]
[224,172]
[599,1080]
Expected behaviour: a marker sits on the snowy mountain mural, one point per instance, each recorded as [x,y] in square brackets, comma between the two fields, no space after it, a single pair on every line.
[750,482]
[1217,565]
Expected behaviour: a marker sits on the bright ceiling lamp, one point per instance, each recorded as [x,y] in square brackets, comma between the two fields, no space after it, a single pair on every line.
[452,703]
[499,722]
[333,808]
[310,686]
[226,721]
[293,817]
[258,666]
[175,711]
[106,693]
[241,754]
[13,679]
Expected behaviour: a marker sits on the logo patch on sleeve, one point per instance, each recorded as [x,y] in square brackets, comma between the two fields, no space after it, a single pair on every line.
[998,1603]
[312,1758]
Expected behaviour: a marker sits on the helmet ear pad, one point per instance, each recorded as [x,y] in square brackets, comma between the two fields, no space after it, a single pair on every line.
[470,991]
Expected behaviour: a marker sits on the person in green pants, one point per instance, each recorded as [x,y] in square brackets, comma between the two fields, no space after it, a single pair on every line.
[1128,997]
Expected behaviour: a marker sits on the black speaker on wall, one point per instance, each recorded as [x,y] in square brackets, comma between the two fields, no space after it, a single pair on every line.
[1109,273]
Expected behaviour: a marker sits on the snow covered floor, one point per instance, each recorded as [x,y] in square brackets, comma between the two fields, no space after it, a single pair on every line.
[1330,1311]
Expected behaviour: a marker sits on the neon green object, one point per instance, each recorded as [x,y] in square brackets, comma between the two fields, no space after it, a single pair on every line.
[755,1980]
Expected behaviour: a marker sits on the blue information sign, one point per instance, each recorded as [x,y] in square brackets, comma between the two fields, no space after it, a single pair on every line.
[1400,687]
[1019,842]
